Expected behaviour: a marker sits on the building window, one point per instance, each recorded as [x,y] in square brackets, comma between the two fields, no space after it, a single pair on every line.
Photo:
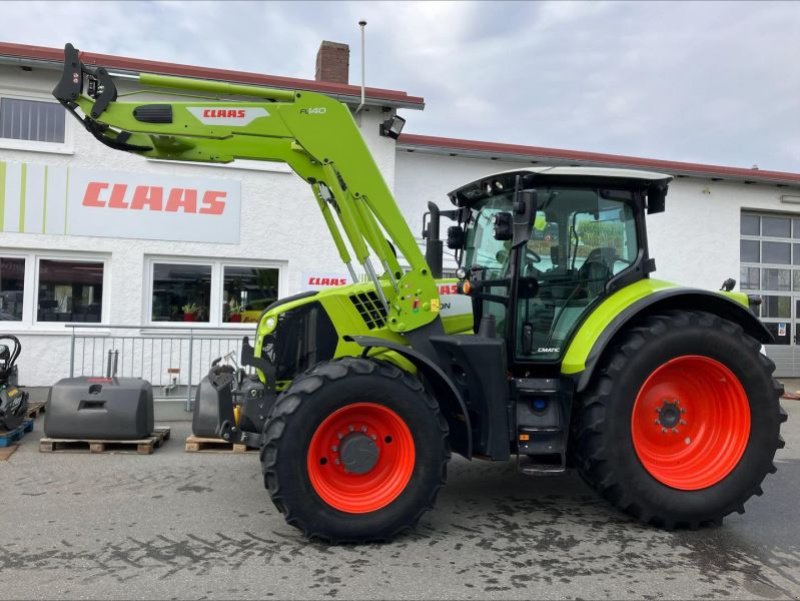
[181,292]
[777,279]
[247,291]
[70,291]
[12,288]
[750,225]
[215,293]
[749,278]
[777,306]
[749,251]
[776,226]
[32,120]
[776,252]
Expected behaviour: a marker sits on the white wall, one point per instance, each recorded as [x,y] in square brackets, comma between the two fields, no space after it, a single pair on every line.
[280,222]
[695,242]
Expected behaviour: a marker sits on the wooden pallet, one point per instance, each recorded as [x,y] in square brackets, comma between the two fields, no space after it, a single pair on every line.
[199,444]
[9,437]
[36,409]
[8,452]
[143,446]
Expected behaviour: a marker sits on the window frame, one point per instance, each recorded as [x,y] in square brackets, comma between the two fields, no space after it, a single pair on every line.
[216,294]
[77,258]
[234,263]
[26,301]
[148,297]
[762,266]
[30,303]
[65,147]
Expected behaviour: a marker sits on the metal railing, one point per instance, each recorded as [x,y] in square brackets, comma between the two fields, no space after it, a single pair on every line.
[173,360]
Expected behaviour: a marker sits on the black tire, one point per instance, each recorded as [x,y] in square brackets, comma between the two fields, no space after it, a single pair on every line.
[13,413]
[300,410]
[604,448]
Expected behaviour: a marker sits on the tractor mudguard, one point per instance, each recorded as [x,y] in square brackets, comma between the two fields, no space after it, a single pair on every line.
[657,301]
[452,405]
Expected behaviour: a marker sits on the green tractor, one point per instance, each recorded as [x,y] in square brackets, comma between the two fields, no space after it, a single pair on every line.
[568,355]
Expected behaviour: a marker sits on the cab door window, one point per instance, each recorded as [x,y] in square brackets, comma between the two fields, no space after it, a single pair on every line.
[581,238]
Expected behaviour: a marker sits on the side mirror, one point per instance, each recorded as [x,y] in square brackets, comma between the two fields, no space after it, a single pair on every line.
[503,226]
[456,237]
[433,246]
[656,198]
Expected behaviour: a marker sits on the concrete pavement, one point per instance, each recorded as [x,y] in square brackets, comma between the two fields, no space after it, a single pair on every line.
[180,525]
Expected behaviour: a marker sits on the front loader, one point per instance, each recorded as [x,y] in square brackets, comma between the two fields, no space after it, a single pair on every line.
[569,355]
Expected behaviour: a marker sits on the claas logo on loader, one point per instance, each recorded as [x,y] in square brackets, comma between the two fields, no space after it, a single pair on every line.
[238,117]
[154,198]
[222,113]
[320,281]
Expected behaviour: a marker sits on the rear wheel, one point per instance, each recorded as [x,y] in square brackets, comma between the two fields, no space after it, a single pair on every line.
[355,450]
[682,423]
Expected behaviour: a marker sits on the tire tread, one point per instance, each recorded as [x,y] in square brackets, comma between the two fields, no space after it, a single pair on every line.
[590,454]
[300,392]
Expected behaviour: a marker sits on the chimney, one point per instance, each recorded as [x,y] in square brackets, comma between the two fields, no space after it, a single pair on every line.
[333,62]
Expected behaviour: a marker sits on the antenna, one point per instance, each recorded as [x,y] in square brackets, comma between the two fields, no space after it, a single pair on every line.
[362,24]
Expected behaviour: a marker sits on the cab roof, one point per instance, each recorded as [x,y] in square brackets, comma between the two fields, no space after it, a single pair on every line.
[538,176]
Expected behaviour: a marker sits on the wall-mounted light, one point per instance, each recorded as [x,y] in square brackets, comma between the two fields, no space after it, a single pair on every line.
[393,126]
[790,198]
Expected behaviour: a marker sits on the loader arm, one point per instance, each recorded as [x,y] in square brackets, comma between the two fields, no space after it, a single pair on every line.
[312,133]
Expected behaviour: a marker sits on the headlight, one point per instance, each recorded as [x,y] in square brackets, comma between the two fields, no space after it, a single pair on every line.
[269,324]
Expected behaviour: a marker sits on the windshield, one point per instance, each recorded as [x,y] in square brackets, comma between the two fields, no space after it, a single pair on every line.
[481,249]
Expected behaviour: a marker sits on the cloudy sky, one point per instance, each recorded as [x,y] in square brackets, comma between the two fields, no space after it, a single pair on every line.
[712,82]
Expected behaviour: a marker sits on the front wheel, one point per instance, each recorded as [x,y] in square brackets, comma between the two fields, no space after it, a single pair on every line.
[355,450]
[682,423]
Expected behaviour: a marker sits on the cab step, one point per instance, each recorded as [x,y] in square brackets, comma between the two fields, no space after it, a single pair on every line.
[535,469]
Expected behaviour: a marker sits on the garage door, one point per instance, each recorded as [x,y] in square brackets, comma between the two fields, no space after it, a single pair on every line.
[770,267]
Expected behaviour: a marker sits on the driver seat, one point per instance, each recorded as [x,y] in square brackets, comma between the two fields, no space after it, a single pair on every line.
[597,270]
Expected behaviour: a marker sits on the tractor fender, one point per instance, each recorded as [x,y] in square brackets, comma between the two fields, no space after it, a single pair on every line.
[450,401]
[665,300]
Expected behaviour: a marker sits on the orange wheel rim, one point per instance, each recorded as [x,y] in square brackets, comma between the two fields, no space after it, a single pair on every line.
[335,462]
[691,422]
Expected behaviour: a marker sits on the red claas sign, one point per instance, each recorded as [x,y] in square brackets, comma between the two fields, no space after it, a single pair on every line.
[105,195]
[154,205]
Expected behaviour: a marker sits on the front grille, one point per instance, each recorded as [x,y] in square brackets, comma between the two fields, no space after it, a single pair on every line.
[303,337]
[370,308]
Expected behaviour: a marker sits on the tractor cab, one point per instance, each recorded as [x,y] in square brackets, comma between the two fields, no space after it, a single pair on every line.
[538,249]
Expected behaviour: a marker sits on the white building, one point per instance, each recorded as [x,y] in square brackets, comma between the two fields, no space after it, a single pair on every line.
[142,268]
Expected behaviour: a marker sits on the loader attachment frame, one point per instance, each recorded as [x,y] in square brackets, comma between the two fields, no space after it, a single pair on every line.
[312,133]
